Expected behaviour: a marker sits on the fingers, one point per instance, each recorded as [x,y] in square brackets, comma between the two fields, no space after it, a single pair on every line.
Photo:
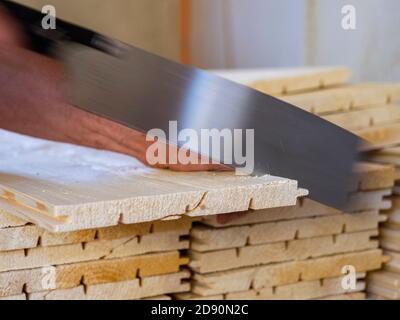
[10,32]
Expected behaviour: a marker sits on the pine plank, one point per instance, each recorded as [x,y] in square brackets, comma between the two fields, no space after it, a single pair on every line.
[303,290]
[272,275]
[379,137]
[124,290]
[89,273]
[346,98]
[204,238]
[287,81]
[30,236]
[205,262]
[362,119]
[346,296]
[80,252]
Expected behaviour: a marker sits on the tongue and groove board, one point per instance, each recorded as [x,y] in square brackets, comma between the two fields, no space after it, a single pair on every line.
[288,81]
[67,188]
[144,288]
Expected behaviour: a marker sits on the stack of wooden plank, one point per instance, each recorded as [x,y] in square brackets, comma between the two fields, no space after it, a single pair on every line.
[92,232]
[121,262]
[77,223]
[292,253]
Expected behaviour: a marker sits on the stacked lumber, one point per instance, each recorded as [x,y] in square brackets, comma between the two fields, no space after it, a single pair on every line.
[296,252]
[121,262]
[385,284]
[77,223]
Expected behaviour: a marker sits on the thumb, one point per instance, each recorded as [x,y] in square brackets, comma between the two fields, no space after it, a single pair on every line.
[10,31]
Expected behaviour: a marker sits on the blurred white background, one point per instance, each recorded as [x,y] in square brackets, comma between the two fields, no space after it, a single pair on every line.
[253,33]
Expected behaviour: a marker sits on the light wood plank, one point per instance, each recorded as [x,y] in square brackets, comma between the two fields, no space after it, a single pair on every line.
[204,238]
[124,290]
[205,262]
[346,98]
[62,187]
[287,81]
[89,273]
[244,279]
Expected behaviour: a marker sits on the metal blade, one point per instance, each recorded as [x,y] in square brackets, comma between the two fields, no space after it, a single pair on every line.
[144,91]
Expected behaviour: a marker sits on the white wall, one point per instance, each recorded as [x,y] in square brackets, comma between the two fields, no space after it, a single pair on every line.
[247,33]
[276,33]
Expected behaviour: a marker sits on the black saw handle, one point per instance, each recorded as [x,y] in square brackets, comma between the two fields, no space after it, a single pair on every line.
[42,40]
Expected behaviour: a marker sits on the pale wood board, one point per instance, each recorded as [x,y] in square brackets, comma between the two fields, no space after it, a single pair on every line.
[277,274]
[380,137]
[81,252]
[30,236]
[206,262]
[306,208]
[325,289]
[386,293]
[346,98]
[362,119]
[204,238]
[62,187]
[287,81]
[393,265]
[303,290]
[347,296]
[124,290]
[89,273]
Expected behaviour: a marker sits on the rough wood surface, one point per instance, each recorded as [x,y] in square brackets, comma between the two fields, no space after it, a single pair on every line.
[205,238]
[80,252]
[346,98]
[124,290]
[205,262]
[347,296]
[288,81]
[30,236]
[379,137]
[65,188]
[362,119]
[326,289]
[303,290]
[89,273]
[244,279]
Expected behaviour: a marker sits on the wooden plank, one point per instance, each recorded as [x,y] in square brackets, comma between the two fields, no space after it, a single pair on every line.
[101,249]
[379,137]
[272,275]
[390,239]
[16,297]
[385,279]
[76,188]
[287,81]
[30,236]
[362,119]
[393,265]
[347,296]
[346,98]
[8,220]
[384,292]
[205,262]
[124,290]
[387,155]
[204,238]
[89,273]
[369,176]
[303,209]
[365,200]
[303,290]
